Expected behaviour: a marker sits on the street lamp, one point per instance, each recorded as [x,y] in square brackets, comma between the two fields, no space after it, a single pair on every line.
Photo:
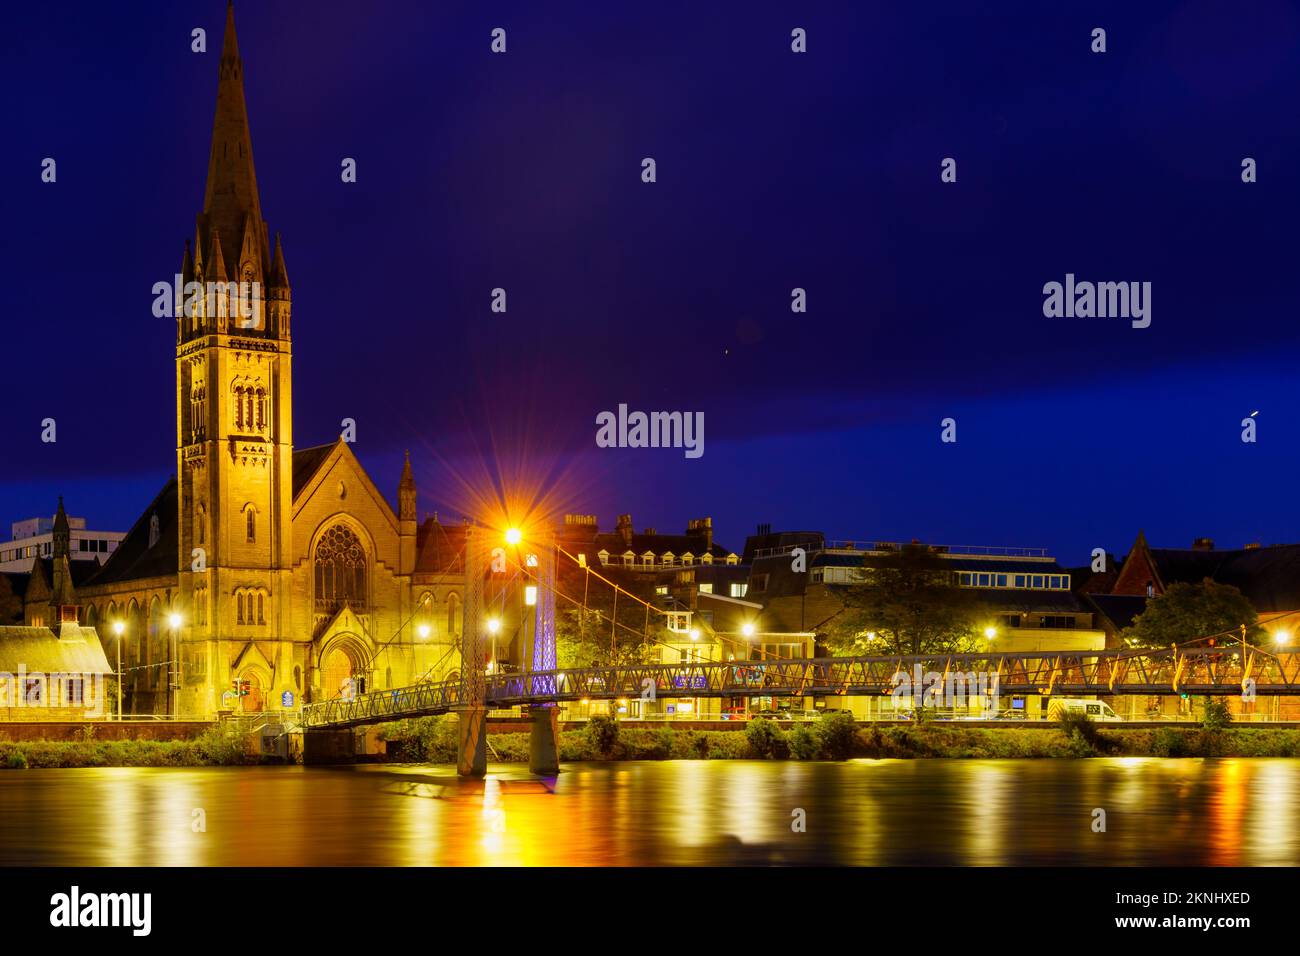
[423,631]
[173,678]
[118,628]
[695,633]
[748,629]
[990,632]
[514,536]
[1282,637]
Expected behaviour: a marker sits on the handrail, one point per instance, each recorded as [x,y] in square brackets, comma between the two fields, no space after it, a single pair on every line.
[1199,670]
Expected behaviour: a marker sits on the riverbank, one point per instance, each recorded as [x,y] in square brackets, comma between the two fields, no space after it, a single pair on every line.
[433,740]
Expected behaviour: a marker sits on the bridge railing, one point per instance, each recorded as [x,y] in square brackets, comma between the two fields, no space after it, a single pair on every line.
[1202,670]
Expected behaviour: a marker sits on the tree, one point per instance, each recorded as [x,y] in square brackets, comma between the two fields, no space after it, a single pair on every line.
[11,606]
[912,606]
[1187,612]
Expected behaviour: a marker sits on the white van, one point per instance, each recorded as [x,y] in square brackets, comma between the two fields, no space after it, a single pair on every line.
[1093,709]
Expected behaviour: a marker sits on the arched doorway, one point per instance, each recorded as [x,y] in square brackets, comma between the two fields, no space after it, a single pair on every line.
[254,700]
[339,667]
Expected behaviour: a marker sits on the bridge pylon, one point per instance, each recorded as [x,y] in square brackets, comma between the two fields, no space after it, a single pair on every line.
[471,742]
[543,743]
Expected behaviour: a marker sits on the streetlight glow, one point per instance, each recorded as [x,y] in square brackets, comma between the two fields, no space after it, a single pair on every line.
[1282,637]
[118,628]
[174,620]
[514,536]
[990,632]
[493,625]
[748,629]
[695,633]
[423,631]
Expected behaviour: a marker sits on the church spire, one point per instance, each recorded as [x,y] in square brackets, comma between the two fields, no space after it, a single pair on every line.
[230,203]
[406,493]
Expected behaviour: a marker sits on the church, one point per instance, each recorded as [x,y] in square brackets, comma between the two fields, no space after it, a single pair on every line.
[263,576]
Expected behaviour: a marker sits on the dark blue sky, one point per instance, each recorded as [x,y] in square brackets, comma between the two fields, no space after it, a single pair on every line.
[775,170]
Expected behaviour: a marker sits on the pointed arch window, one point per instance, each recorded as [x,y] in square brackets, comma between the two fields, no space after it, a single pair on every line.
[341,570]
[250,518]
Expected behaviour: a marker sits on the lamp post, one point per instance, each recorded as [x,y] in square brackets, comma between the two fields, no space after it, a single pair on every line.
[174,621]
[118,628]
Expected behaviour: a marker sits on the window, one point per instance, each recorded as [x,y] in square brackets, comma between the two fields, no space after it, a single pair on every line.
[76,691]
[1002,580]
[738,590]
[341,570]
[34,691]
[1151,589]
[1011,620]
[706,588]
[760,582]
[688,559]
[680,622]
[1020,580]
[261,608]
[604,556]
[1038,580]
[252,523]
[661,589]
[1057,620]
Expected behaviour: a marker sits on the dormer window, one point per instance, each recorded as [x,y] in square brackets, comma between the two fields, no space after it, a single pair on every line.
[707,559]
[603,555]
[648,559]
[668,559]
[155,530]
[733,559]
[629,558]
[688,559]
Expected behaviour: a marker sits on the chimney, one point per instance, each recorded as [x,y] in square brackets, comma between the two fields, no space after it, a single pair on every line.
[1203,544]
[650,531]
[701,528]
[764,529]
[625,530]
[1252,546]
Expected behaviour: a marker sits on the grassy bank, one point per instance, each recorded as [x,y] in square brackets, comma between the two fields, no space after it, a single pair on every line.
[836,737]
[213,748]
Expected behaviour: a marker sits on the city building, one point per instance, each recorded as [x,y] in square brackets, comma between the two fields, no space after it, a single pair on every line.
[263,574]
[51,667]
[34,538]
[1026,593]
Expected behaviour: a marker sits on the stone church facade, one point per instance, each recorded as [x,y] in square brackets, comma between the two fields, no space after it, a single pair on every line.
[263,576]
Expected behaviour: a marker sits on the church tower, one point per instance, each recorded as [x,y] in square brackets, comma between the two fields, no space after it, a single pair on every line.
[234,437]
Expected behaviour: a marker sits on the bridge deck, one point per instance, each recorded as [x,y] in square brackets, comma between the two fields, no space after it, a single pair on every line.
[1202,671]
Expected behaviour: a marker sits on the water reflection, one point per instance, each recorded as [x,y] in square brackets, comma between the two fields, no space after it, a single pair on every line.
[862,812]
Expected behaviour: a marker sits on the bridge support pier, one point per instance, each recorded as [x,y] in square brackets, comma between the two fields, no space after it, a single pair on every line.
[471,742]
[544,742]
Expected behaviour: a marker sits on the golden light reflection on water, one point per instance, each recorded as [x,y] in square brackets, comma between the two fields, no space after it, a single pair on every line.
[865,812]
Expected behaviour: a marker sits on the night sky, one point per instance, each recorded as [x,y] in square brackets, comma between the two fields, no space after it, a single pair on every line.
[775,170]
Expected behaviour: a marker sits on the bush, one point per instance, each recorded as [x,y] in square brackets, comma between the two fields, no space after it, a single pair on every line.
[1081,734]
[1168,742]
[766,739]
[803,745]
[602,734]
[17,760]
[837,732]
[1216,716]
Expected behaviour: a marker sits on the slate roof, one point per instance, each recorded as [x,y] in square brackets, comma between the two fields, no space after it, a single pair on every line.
[306,462]
[134,558]
[75,649]
[1269,577]
[439,548]
[1119,609]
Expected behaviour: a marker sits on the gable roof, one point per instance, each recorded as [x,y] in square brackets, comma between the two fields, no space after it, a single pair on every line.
[439,548]
[1269,577]
[73,650]
[134,558]
[306,462]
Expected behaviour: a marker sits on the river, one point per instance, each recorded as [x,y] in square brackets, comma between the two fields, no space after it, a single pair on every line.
[1225,811]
